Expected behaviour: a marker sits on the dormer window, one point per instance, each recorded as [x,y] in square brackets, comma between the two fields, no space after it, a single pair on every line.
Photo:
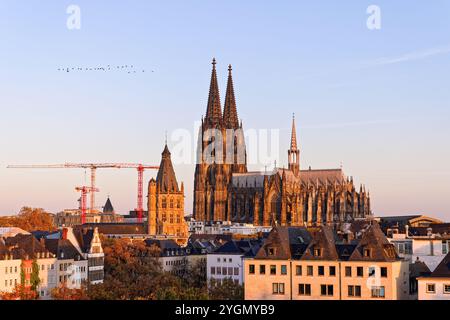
[317,252]
[366,253]
[271,251]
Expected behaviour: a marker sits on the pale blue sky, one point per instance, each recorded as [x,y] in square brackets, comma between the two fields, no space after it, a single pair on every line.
[377,101]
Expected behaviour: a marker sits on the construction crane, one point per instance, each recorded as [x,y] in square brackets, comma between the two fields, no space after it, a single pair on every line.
[84,191]
[93,167]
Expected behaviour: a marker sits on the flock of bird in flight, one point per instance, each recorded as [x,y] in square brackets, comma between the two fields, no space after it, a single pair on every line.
[108,68]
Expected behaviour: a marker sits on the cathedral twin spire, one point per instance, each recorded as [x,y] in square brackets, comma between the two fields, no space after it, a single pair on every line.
[214,110]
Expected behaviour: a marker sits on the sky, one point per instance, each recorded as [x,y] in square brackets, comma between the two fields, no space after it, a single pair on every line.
[376,102]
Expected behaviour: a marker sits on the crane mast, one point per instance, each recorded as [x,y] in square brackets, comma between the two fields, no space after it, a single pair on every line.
[93,189]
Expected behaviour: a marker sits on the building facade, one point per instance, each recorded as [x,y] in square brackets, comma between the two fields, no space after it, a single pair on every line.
[295,263]
[166,203]
[224,190]
[227,262]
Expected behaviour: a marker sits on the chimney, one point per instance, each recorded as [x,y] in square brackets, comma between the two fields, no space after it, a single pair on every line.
[407,230]
[42,241]
[64,233]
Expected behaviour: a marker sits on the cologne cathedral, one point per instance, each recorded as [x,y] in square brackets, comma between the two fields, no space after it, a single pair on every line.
[225,191]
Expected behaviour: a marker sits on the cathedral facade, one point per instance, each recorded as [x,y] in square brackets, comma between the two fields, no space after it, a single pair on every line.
[224,190]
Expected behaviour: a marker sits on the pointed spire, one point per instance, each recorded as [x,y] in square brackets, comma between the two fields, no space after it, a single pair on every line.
[214,110]
[230,117]
[293,134]
[108,207]
[166,180]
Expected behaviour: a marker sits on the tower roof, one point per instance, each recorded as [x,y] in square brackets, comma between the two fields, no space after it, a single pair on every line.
[166,179]
[293,135]
[213,110]
[230,117]
[108,207]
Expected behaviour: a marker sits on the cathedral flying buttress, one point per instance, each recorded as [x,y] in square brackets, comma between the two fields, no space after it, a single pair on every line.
[290,196]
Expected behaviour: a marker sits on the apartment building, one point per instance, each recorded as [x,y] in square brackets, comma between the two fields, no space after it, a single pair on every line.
[227,262]
[295,263]
[18,254]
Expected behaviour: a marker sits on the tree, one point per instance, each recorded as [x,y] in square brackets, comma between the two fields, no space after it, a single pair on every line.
[30,219]
[132,271]
[64,293]
[20,292]
[225,290]
[34,277]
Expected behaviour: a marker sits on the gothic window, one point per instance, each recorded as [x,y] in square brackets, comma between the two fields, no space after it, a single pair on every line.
[164,203]
[171,218]
[171,203]
[179,204]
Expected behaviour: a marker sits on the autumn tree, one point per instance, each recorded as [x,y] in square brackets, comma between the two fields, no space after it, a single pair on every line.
[30,219]
[227,289]
[132,271]
[64,293]
[20,292]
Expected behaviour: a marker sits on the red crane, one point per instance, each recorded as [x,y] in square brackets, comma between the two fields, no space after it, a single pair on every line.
[94,166]
[84,191]
[140,187]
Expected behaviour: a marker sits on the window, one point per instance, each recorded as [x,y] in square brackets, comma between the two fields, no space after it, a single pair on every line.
[278,288]
[262,269]
[218,259]
[371,271]
[431,288]
[384,272]
[230,260]
[224,271]
[219,270]
[304,289]
[273,269]
[317,252]
[309,270]
[332,271]
[271,251]
[164,203]
[377,292]
[236,271]
[171,203]
[213,270]
[321,270]
[283,269]
[444,247]
[348,271]
[298,270]
[360,271]
[354,291]
[366,253]
[251,269]
[326,290]
[447,288]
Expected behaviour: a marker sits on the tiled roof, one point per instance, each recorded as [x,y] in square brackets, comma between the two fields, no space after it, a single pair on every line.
[119,228]
[379,248]
[166,179]
[443,269]
[419,269]
[25,246]
[300,243]
[63,249]
[324,240]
